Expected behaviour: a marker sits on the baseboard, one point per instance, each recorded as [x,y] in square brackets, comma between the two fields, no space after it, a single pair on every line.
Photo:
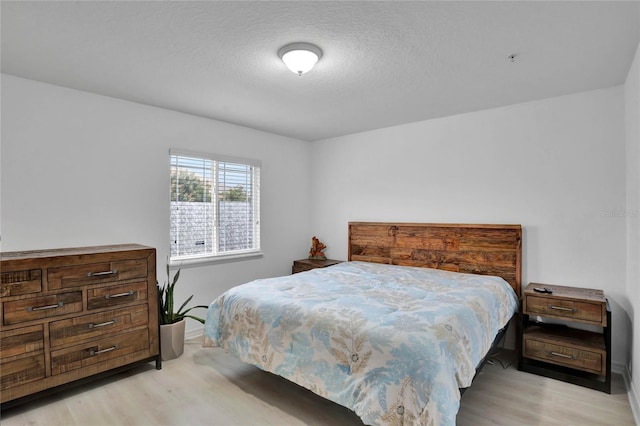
[632,394]
[621,369]
[194,333]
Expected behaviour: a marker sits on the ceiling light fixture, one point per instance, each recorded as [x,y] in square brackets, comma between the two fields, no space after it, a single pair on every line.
[300,58]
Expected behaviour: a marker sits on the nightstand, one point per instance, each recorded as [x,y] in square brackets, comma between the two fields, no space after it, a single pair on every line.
[573,341]
[308,264]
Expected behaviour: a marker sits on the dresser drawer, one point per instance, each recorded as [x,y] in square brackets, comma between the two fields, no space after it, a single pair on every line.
[116,295]
[74,276]
[23,310]
[21,341]
[75,330]
[99,351]
[22,352]
[565,355]
[566,309]
[21,282]
[21,370]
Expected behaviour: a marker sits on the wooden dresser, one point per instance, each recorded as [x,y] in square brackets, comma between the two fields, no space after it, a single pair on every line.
[557,347]
[68,315]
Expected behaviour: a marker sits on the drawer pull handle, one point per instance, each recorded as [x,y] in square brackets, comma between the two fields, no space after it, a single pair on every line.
[42,308]
[560,308]
[113,296]
[562,355]
[102,274]
[94,353]
[102,324]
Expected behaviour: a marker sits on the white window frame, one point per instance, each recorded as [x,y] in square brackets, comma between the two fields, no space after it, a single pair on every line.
[215,256]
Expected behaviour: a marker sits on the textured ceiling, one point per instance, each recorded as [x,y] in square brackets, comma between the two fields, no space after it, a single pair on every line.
[384,63]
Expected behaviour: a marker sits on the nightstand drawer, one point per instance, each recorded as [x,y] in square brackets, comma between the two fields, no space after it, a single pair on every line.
[302,265]
[564,355]
[567,309]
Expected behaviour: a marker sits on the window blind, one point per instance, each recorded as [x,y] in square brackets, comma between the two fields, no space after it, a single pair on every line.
[215,206]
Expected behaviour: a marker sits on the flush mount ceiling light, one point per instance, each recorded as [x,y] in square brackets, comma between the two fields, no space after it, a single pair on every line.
[300,57]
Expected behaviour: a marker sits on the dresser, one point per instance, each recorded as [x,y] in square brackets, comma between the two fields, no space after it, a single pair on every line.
[70,315]
[565,333]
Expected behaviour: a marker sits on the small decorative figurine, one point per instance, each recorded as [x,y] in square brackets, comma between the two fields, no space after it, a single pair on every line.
[316,252]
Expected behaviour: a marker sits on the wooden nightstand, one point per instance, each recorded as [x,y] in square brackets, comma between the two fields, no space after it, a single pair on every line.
[562,351]
[308,264]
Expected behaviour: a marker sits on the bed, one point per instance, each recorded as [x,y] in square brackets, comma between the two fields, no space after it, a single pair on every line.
[392,334]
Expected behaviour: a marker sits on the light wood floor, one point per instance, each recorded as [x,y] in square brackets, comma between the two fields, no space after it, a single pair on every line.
[208,387]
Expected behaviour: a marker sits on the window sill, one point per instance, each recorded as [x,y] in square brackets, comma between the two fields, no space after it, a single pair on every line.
[200,261]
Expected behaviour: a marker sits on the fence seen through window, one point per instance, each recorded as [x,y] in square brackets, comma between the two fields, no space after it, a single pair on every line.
[215,206]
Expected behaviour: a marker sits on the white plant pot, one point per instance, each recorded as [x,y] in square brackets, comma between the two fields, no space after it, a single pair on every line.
[172,340]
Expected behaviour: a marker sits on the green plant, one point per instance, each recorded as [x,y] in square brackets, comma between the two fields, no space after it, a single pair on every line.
[167,314]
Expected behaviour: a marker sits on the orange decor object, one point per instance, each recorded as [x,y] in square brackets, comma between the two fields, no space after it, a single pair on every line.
[316,251]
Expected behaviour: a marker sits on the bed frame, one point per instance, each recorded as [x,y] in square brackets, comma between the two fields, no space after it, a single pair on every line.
[476,249]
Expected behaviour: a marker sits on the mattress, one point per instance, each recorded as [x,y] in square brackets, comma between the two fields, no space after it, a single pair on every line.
[392,343]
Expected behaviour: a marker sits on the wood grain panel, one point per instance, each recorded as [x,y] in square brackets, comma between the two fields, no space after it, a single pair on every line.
[80,356]
[302,265]
[20,282]
[20,371]
[21,341]
[567,347]
[42,307]
[116,295]
[77,275]
[565,309]
[478,249]
[78,329]
[585,305]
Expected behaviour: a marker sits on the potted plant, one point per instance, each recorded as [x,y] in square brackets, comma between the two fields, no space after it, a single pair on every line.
[172,321]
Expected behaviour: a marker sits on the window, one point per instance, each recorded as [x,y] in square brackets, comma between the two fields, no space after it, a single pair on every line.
[215,206]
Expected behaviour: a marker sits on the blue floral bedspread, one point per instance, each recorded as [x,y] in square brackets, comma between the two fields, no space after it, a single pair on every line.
[392,343]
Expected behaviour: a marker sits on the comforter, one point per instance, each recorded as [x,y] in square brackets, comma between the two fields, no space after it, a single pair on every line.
[392,343]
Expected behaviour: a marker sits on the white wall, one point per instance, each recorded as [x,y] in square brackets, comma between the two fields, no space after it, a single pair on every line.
[632,214]
[81,169]
[555,166]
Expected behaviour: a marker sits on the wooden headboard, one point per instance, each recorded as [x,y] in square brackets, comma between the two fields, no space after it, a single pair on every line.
[476,249]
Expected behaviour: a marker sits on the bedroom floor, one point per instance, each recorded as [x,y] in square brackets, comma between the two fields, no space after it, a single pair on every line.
[208,387]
